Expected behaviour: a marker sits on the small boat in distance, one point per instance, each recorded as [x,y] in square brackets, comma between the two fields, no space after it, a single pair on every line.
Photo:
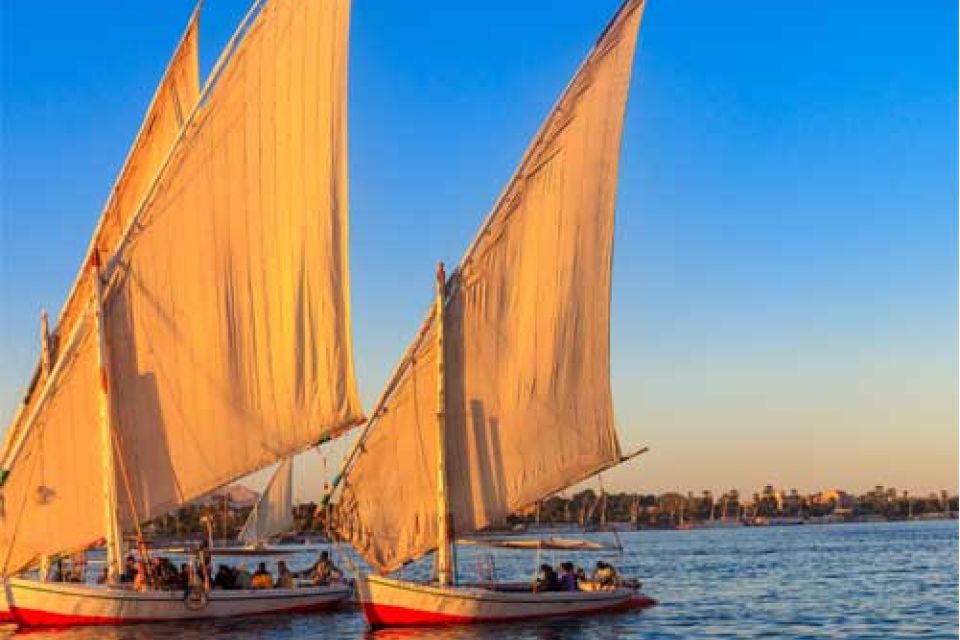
[273,512]
[206,337]
[503,398]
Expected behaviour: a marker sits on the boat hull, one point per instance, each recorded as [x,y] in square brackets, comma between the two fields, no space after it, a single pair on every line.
[6,617]
[34,604]
[388,602]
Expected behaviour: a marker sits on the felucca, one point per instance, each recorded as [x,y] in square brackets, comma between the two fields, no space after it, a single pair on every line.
[273,512]
[207,336]
[503,398]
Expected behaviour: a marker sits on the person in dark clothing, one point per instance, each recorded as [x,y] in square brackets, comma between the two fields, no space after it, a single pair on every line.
[183,578]
[167,575]
[323,571]
[568,577]
[546,579]
[224,578]
[129,569]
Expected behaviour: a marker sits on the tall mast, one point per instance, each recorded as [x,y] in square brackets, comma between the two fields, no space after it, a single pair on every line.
[111,521]
[445,559]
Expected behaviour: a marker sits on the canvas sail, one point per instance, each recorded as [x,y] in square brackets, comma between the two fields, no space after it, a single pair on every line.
[273,513]
[53,499]
[228,312]
[226,306]
[528,401]
[175,98]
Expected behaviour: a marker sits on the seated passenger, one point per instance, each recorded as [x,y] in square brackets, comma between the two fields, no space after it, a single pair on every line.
[546,579]
[243,578]
[78,568]
[167,577]
[183,578]
[261,578]
[605,575]
[284,577]
[59,573]
[323,570]
[224,578]
[568,579]
[129,569]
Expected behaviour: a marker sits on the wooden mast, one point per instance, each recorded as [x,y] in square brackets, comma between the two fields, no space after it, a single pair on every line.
[445,561]
[111,520]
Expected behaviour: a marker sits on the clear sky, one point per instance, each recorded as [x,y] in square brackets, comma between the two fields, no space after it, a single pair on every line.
[785,286]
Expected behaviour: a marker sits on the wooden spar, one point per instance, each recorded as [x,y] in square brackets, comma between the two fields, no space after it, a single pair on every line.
[619,461]
[46,355]
[111,521]
[445,562]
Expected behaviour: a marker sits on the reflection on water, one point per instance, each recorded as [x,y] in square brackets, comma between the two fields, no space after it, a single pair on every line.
[890,580]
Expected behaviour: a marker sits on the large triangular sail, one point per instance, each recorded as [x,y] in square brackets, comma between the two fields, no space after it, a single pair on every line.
[175,97]
[53,500]
[273,512]
[527,388]
[225,306]
[231,329]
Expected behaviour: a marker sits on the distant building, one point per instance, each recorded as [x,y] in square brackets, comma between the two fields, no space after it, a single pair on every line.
[837,498]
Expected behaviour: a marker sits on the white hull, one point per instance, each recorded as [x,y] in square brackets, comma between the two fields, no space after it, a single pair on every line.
[389,602]
[59,604]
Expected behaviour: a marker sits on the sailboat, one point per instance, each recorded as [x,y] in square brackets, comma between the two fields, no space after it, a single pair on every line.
[273,512]
[208,333]
[503,398]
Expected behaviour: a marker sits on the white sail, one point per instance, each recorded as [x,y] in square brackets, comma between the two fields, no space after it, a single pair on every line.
[229,313]
[528,401]
[273,513]
[53,499]
[227,316]
[175,97]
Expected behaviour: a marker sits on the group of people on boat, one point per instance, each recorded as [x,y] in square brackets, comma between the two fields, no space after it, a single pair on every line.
[321,572]
[160,573]
[571,578]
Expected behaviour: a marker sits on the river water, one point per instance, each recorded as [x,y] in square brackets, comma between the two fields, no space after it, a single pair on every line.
[878,580]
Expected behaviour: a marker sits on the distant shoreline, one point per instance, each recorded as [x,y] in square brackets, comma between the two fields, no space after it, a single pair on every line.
[626,527]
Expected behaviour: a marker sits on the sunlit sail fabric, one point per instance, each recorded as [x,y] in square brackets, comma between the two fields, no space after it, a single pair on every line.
[174,99]
[273,513]
[54,497]
[228,313]
[53,500]
[529,407]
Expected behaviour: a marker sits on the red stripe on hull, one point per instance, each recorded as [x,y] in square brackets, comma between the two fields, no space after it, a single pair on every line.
[40,618]
[385,615]
[6,617]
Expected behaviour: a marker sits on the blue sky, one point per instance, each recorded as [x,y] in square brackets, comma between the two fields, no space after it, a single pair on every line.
[785,285]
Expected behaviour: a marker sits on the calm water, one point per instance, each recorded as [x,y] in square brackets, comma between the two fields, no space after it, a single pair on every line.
[887,580]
